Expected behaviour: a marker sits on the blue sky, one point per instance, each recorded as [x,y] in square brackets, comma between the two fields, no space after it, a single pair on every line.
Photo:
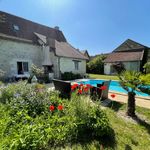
[96,25]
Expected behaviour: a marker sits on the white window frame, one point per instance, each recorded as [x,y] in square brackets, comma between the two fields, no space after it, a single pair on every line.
[22,63]
[76,64]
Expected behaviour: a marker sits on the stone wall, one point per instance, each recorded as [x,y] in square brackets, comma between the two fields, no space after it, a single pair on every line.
[12,51]
[135,65]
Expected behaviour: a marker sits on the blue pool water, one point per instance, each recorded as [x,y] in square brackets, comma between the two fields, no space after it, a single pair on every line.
[114,86]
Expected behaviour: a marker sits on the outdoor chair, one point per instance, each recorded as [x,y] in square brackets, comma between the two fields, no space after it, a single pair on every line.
[63,87]
[93,93]
[104,93]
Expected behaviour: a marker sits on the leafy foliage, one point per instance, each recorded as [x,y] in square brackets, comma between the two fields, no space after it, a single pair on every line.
[26,122]
[39,73]
[119,67]
[96,65]
[147,67]
[70,76]
[132,80]
[36,70]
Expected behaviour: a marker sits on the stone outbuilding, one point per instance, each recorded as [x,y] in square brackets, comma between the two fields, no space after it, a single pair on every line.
[131,54]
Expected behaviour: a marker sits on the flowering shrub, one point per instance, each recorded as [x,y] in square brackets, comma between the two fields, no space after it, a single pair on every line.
[81,88]
[33,119]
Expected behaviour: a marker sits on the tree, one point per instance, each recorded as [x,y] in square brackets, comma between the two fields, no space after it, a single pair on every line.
[131,81]
[96,65]
[147,67]
[119,67]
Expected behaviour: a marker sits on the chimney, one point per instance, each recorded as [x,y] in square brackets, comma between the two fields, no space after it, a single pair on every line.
[56,27]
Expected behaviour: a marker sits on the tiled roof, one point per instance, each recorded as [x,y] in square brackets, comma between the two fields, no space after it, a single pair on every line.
[27,28]
[129,45]
[124,56]
[31,31]
[64,49]
[85,53]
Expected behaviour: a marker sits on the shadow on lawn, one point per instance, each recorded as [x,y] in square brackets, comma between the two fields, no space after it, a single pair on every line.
[115,106]
[100,142]
[142,123]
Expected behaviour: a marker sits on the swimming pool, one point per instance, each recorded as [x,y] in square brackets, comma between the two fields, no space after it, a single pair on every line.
[114,86]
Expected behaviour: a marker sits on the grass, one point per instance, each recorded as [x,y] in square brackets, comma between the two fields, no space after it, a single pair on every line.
[98,76]
[128,135]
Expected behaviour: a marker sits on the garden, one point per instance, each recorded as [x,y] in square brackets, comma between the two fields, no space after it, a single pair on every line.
[32,117]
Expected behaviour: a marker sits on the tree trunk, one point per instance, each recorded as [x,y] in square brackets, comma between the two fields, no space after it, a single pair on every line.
[131,104]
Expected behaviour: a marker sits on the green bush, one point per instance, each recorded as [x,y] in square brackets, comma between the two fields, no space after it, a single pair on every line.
[90,119]
[147,67]
[70,76]
[26,122]
[96,65]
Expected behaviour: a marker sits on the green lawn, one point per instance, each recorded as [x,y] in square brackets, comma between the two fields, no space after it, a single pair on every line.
[128,135]
[97,76]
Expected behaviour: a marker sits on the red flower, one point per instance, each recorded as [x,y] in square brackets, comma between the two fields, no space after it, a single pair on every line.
[74,86]
[113,95]
[103,87]
[51,107]
[86,89]
[81,85]
[79,91]
[88,85]
[60,107]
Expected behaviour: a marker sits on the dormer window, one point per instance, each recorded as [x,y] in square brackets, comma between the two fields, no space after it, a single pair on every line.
[16,27]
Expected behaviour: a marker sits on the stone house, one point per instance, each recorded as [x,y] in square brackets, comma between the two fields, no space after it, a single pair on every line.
[23,43]
[131,54]
[85,53]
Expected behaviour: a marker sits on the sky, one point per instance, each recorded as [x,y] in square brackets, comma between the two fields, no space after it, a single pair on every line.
[98,26]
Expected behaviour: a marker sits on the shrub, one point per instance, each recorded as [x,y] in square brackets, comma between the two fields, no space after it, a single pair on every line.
[91,121]
[70,76]
[119,67]
[27,122]
[96,65]
[36,70]
[147,67]
[39,73]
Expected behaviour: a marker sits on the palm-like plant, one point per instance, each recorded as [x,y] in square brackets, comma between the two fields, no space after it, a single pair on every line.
[131,81]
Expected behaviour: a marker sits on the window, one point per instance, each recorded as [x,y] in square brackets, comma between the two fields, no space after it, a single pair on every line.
[22,67]
[76,64]
[48,69]
[16,27]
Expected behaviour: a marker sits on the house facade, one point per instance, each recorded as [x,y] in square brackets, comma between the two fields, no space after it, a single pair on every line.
[131,54]
[23,43]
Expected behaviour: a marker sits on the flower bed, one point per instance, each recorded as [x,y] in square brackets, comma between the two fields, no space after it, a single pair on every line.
[33,118]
